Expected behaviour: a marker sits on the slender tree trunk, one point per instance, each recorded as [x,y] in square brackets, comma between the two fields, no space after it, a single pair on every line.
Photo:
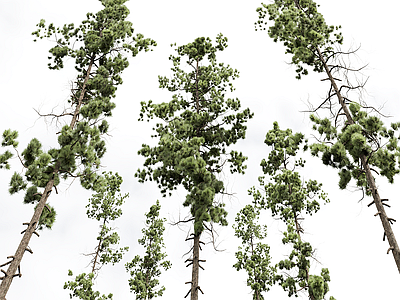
[298,231]
[370,179]
[23,246]
[98,249]
[194,295]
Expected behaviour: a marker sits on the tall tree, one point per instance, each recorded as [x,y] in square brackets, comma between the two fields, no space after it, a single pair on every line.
[97,46]
[198,126]
[353,137]
[104,206]
[289,198]
[145,270]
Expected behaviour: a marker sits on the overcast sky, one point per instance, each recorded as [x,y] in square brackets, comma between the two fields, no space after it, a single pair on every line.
[346,235]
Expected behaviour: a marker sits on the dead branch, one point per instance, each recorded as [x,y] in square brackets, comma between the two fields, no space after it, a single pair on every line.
[182,221]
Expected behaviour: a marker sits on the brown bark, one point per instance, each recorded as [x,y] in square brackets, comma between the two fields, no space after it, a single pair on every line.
[194,294]
[370,179]
[14,265]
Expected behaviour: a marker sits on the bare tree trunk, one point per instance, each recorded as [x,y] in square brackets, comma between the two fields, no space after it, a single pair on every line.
[370,179]
[23,246]
[194,295]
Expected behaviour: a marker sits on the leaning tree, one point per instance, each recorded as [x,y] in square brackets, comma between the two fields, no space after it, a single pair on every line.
[97,45]
[353,139]
[198,125]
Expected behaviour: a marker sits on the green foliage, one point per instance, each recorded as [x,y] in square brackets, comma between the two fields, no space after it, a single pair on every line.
[32,195]
[104,206]
[81,287]
[17,183]
[304,32]
[9,139]
[97,46]
[4,160]
[145,270]
[198,127]
[47,218]
[302,29]
[97,43]
[38,171]
[342,149]
[254,257]
[318,285]
[288,197]
[101,33]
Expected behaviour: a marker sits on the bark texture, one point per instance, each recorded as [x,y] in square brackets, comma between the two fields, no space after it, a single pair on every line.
[194,293]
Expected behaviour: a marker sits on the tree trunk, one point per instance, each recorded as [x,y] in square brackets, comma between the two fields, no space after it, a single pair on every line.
[370,179]
[23,246]
[194,294]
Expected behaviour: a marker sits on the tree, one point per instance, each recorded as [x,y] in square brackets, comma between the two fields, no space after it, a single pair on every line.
[104,206]
[254,257]
[192,142]
[290,199]
[97,45]
[146,270]
[353,138]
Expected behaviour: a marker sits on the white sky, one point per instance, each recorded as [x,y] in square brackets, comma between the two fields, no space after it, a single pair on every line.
[347,237]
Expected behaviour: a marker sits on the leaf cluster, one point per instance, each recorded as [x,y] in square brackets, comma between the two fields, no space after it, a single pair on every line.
[342,149]
[146,270]
[82,288]
[302,29]
[100,34]
[197,128]
[38,172]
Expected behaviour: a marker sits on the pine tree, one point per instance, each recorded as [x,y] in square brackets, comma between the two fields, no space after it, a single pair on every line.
[353,138]
[97,46]
[289,198]
[104,206]
[145,270]
[198,126]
